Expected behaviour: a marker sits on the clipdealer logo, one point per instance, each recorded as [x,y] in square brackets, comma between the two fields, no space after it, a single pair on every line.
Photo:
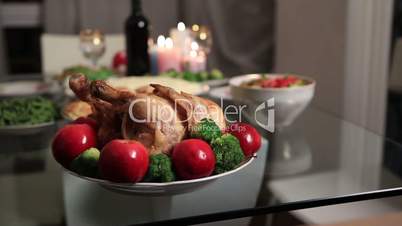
[158,113]
[269,104]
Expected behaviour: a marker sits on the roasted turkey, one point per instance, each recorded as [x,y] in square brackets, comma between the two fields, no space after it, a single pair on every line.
[157,116]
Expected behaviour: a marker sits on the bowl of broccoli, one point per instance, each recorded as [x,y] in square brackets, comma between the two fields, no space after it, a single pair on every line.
[26,115]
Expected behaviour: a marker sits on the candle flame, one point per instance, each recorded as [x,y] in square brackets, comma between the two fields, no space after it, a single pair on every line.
[193,53]
[181,26]
[194,46]
[195,27]
[203,35]
[169,43]
[161,41]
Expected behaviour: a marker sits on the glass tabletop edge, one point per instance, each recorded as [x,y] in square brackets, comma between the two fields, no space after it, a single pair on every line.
[291,206]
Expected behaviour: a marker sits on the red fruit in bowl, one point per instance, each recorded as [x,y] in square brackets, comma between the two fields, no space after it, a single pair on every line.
[248,136]
[193,158]
[86,120]
[119,59]
[292,79]
[283,82]
[71,140]
[123,161]
[269,83]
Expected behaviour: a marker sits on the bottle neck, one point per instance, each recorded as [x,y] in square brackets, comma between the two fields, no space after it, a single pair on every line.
[136,7]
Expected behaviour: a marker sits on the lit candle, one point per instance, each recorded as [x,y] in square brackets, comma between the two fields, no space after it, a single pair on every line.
[180,36]
[181,26]
[194,46]
[196,60]
[168,56]
[195,27]
[160,41]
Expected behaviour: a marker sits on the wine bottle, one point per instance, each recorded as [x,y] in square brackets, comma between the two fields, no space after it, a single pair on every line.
[137,33]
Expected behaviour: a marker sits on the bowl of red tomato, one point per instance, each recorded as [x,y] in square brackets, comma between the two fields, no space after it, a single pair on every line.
[287,94]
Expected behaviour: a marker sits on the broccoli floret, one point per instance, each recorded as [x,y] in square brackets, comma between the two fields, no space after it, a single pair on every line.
[203,76]
[91,73]
[228,153]
[171,73]
[189,76]
[160,169]
[216,74]
[206,129]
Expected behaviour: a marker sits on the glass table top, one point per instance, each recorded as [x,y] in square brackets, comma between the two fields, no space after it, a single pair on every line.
[319,160]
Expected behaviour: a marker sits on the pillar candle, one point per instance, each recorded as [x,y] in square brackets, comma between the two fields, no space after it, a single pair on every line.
[169,57]
[195,61]
[180,36]
[153,56]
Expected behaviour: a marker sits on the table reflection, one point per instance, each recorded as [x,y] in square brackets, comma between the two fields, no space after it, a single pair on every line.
[30,182]
[289,154]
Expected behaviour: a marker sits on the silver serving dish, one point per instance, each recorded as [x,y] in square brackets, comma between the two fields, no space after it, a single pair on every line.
[159,189]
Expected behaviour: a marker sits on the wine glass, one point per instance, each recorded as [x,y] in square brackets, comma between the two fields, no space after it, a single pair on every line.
[92,45]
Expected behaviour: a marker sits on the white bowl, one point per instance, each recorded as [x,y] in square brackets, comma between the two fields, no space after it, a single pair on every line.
[289,102]
[23,88]
[159,189]
[26,129]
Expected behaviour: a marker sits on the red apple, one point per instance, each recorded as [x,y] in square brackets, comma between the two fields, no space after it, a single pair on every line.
[71,140]
[123,161]
[193,158]
[86,120]
[119,59]
[248,136]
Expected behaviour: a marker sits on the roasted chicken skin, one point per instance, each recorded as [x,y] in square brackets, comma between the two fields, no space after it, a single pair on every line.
[157,116]
[153,121]
[192,108]
[105,113]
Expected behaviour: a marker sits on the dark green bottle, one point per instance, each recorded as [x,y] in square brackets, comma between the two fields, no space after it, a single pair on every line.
[137,33]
